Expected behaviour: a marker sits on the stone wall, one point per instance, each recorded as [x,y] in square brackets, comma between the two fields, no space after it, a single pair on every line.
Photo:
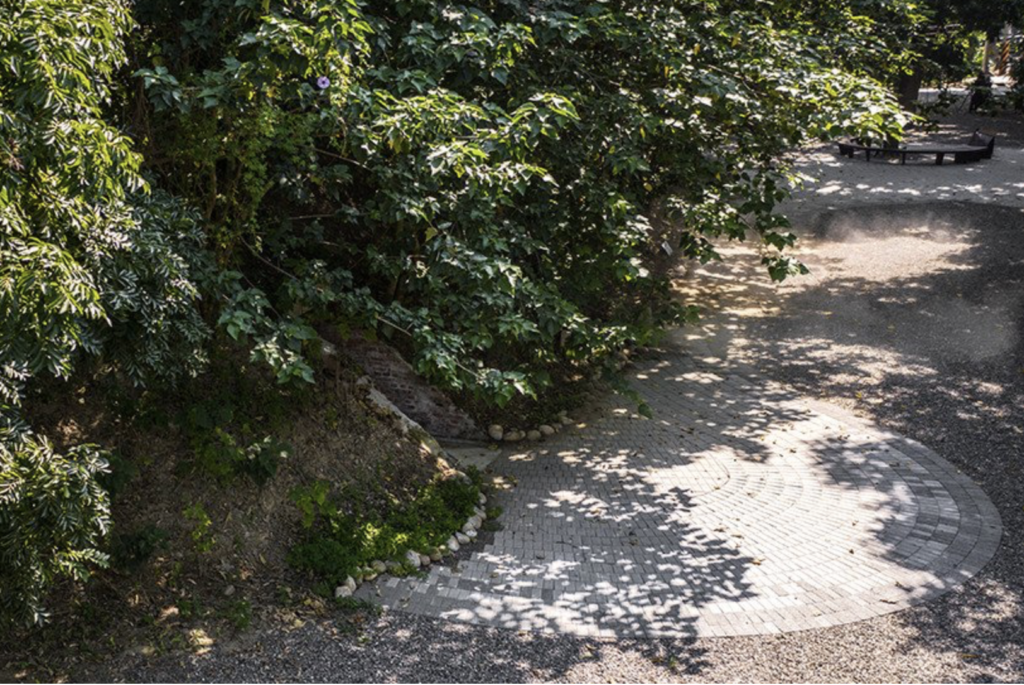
[400,383]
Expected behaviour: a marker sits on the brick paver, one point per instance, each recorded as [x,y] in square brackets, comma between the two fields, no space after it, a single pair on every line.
[742,508]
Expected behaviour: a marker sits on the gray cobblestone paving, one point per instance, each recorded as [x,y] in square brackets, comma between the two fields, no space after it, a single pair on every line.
[741,508]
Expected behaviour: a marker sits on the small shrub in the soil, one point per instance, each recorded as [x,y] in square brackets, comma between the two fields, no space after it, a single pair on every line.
[239,614]
[120,473]
[202,527]
[189,609]
[337,543]
[131,550]
[223,450]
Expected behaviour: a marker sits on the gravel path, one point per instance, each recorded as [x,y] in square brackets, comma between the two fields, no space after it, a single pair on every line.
[918,329]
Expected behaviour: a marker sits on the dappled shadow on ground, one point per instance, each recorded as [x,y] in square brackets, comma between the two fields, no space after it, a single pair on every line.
[912,316]
[736,510]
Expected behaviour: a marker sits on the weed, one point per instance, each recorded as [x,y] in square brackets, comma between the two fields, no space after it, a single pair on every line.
[239,615]
[189,609]
[232,429]
[202,533]
[121,472]
[129,551]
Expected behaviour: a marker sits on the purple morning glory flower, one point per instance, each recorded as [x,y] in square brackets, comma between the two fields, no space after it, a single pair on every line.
[323,83]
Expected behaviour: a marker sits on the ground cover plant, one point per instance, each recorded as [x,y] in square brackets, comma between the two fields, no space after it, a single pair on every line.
[340,543]
[474,182]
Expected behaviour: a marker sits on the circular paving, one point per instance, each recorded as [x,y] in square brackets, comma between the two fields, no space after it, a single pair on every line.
[740,509]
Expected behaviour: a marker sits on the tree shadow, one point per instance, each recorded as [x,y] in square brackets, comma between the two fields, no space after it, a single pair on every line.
[913,316]
[926,377]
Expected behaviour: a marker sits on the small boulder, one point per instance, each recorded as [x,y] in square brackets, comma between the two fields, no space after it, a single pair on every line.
[342,591]
[437,554]
[547,430]
[462,538]
[472,534]
[468,526]
[565,420]
[350,583]
[533,435]
[413,558]
[513,436]
[452,544]
[482,499]
[378,566]
[425,560]
[496,432]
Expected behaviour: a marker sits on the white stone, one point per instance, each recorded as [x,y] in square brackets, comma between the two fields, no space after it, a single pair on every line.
[436,555]
[413,558]
[468,526]
[514,436]
[342,591]
[482,498]
[496,432]
[471,534]
[565,420]
[533,435]
[547,430]
[453,544]
[350,583]
[379,566]
[424,560]
[462,538]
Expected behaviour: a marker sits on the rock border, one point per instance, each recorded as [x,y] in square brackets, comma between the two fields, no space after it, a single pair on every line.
[419,559]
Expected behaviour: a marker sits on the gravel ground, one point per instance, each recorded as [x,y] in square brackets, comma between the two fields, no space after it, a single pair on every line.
[919,328]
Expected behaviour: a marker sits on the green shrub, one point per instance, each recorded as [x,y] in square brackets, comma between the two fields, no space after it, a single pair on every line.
[336,544]
[92,267]
[228,426]
[476,181]
[53,517]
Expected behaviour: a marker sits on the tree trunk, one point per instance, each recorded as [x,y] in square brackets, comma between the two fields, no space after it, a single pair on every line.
[909,88]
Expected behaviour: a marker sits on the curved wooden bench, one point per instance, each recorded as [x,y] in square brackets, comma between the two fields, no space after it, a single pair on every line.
[980,147]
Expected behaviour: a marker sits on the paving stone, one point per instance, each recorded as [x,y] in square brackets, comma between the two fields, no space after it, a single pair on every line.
[742,508]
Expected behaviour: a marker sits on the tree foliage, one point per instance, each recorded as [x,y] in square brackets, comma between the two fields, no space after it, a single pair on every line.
[90,267]
[475,181]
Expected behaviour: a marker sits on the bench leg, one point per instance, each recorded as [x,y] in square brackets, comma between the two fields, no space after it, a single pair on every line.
[903,158]
[938,158]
